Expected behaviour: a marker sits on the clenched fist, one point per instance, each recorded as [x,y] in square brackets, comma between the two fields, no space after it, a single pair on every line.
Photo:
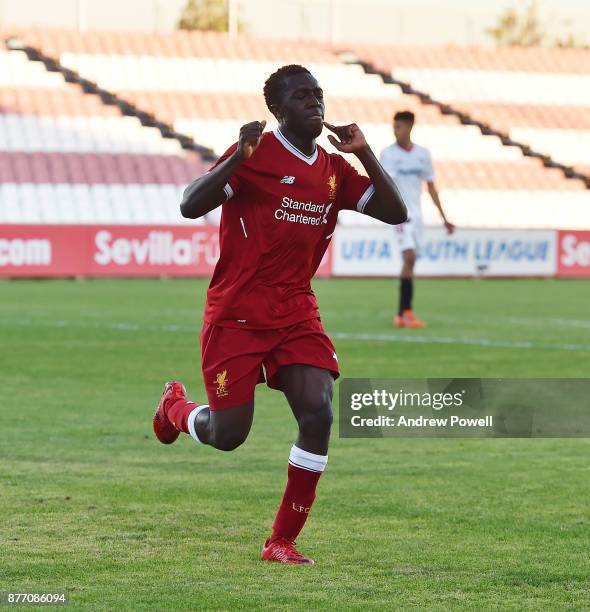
[249,139]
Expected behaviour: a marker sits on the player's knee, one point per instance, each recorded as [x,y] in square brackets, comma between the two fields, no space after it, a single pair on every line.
[228,440]
[318,419]
[409,257]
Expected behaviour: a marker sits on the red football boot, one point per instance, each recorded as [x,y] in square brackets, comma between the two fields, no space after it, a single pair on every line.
[163,427]
[283,551]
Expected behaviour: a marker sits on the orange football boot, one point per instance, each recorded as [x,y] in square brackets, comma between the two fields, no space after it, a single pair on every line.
[411,321]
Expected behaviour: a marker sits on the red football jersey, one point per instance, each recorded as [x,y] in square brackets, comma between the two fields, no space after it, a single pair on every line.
[275,227]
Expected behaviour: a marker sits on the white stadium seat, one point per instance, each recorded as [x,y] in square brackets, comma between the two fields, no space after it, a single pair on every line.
[535,88]
[149,73]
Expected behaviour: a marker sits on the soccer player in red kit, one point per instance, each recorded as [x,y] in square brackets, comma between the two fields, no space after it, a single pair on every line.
[281,194]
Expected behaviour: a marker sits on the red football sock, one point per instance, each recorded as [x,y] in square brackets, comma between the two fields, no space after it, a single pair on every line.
[179,412]
[304,473]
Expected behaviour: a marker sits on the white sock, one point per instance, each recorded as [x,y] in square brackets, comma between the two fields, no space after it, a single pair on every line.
[191,422]
[308,461]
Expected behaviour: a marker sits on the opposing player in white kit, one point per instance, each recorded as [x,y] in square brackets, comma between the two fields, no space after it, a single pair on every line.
[409,165]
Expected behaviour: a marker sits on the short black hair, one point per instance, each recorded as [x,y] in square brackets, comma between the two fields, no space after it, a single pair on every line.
[407,116]
[273,86]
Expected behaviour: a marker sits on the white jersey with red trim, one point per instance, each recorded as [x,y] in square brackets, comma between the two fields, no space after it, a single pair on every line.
[409,169]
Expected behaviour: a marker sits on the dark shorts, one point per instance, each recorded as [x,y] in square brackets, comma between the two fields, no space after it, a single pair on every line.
[234,360]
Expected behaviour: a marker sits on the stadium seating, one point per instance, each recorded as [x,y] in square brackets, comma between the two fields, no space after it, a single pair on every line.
[65,157]
[537,96]
[207,84]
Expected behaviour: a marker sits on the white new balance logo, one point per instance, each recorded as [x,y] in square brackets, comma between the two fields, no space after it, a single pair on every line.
[289,180]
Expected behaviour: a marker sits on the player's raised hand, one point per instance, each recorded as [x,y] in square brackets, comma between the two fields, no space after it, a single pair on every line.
[250,135]
[352,140]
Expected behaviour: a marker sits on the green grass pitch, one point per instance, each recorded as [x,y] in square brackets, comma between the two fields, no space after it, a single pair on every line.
[91,504]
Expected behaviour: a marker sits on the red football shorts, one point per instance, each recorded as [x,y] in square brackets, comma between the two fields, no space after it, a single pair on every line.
[233,359]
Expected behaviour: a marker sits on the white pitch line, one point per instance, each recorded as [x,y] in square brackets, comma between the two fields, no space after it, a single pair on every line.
[173,328]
